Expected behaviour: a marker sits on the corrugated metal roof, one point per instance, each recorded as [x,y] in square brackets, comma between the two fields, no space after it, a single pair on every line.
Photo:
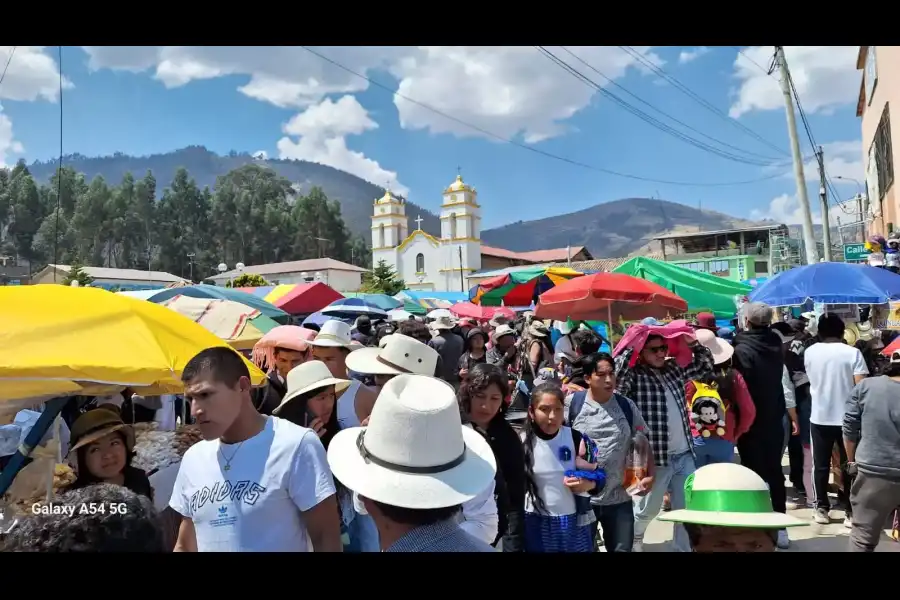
[676,236]
[128,274]
[605,264]
[294,266]
[534,256]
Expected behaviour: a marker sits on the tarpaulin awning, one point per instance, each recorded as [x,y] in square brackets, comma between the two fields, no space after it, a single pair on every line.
[703,292]
[382,301]
[519,288]
[237,324]
[223,293]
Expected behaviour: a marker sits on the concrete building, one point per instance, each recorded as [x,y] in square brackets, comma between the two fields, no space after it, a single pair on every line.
[879,88]
[341,276]
[121,279]
[446,264]
[735,254]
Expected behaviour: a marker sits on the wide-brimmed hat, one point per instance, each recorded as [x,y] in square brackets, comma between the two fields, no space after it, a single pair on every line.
[721,350]
[443,322]
[498,320]
[706,320]
[729,495]
[400,354]
[500,331]
[415,452]
[333,334]
[538,329]
[98,423]
[309,376]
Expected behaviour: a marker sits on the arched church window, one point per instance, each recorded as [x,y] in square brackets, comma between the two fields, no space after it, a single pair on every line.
[453,226]
[381,243]
[420,263]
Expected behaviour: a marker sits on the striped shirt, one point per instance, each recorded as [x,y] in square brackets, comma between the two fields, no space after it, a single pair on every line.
[443,536]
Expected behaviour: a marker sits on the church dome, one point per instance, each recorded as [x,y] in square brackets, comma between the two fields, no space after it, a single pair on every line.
[458,185]
[386,199]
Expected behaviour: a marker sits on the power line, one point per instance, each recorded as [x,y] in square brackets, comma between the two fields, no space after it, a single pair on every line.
[59,168]
[8,60]
[699,99]
[526,146]
[650,119]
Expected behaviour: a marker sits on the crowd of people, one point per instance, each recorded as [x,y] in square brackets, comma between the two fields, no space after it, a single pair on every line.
[466,436]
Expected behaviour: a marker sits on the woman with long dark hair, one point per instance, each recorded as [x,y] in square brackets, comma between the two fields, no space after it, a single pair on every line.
[474,352]
[104,449]
[559,476]
[482,405]
[311,402]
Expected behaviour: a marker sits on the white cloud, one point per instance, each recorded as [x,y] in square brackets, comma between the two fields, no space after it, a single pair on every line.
[261,155]
[842,160]
[687,56]
[322,130]
[786,209]
[825,77]
[32,74]
[505,90]
[8,144]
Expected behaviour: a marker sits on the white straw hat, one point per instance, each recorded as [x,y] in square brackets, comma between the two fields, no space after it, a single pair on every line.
[415,453]
[443,322]
[721,350]
[500,331]
[400,354]
[309,376]
[333,334]
[729,495]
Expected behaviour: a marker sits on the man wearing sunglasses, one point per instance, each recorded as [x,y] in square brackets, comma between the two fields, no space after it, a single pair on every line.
[656,385]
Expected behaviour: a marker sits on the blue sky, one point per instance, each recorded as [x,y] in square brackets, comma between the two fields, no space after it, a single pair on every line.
[290,103]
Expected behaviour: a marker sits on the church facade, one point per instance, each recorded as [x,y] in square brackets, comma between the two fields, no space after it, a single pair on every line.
[423,261]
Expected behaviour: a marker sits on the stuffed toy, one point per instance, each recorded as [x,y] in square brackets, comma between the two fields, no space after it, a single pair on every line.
[707,411]
[875,245]
[892,253]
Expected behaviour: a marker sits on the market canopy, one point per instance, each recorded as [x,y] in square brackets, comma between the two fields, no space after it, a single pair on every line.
[296,298]
[237,324]
[57,340]
[382,301]
[703,292]
[519,288]
[214,292]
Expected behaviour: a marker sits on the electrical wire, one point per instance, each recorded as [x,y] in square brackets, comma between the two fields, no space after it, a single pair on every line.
[59,168]
[699,99]
[648,118]
[512,142]
[8,60]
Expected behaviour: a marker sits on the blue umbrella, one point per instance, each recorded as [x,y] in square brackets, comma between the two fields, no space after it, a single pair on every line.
[214,292]
[352,308]
[829,283]
[318,319]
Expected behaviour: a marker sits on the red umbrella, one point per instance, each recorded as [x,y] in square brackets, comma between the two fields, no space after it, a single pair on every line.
[602,296]
[482,313]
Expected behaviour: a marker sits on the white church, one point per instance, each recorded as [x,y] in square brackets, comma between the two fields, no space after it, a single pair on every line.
[423,261]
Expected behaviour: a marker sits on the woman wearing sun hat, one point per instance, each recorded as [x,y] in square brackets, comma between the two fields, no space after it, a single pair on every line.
[310,402]
[728,509]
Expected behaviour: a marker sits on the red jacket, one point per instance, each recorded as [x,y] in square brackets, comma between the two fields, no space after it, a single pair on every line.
[735,426]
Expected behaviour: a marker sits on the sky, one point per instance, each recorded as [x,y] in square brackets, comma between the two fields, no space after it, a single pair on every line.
[535,138]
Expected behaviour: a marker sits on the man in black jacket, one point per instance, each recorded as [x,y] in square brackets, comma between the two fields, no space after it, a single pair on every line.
[758,357]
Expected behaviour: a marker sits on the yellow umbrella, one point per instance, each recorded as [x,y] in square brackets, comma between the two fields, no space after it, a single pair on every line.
[57,340]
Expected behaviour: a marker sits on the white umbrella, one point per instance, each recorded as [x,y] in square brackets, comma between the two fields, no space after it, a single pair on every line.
[439,313]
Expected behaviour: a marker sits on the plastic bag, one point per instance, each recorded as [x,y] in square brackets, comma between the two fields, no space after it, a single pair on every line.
[637,463]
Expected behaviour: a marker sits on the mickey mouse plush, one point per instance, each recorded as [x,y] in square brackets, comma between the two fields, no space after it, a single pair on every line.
[707,411]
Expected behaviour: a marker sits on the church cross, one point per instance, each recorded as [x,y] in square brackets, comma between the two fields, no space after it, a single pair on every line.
[459,171]
[419,220]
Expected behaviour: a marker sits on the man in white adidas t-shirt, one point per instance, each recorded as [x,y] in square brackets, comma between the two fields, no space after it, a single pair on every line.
[256,483]
[833,369]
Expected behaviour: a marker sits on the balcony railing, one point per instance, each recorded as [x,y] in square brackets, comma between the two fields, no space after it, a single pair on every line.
[749,250]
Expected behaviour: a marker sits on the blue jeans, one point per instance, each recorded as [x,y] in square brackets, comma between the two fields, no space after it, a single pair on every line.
[617,521]
[671,479]
[713,450]
[363,534]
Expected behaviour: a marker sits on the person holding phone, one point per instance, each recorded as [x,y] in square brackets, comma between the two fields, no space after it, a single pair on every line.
[311,401]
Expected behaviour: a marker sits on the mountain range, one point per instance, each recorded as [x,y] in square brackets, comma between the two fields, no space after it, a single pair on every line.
[637,220]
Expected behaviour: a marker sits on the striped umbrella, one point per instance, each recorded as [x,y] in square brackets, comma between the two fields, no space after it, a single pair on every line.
[519,288]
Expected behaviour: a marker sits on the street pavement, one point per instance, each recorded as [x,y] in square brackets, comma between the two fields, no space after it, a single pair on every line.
[814,538]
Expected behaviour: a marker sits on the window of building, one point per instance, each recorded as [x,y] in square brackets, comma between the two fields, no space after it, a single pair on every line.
[381,236]
[695,266]
[420,263]
[453,226]
[883,153]
[717,267]
[871,74]
[760,266]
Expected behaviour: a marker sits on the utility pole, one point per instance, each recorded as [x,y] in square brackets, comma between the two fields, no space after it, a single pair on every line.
[809,238]
[190,258]
[462,275]
[823,198]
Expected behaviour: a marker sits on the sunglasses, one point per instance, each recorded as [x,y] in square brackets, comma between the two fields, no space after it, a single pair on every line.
[656,349]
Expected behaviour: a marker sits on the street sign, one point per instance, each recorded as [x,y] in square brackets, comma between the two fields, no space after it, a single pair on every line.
[855,252]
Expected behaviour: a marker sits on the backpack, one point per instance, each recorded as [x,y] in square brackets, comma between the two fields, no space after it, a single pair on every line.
[578,399]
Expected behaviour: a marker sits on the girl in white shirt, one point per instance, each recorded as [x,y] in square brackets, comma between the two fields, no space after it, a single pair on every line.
[558,477]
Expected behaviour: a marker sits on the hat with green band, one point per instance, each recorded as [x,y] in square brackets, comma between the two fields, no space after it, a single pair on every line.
[729,495]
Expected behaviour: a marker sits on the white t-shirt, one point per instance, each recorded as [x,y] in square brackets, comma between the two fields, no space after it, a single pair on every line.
[678,442]
[831,368]
[552,458]
[256,505]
